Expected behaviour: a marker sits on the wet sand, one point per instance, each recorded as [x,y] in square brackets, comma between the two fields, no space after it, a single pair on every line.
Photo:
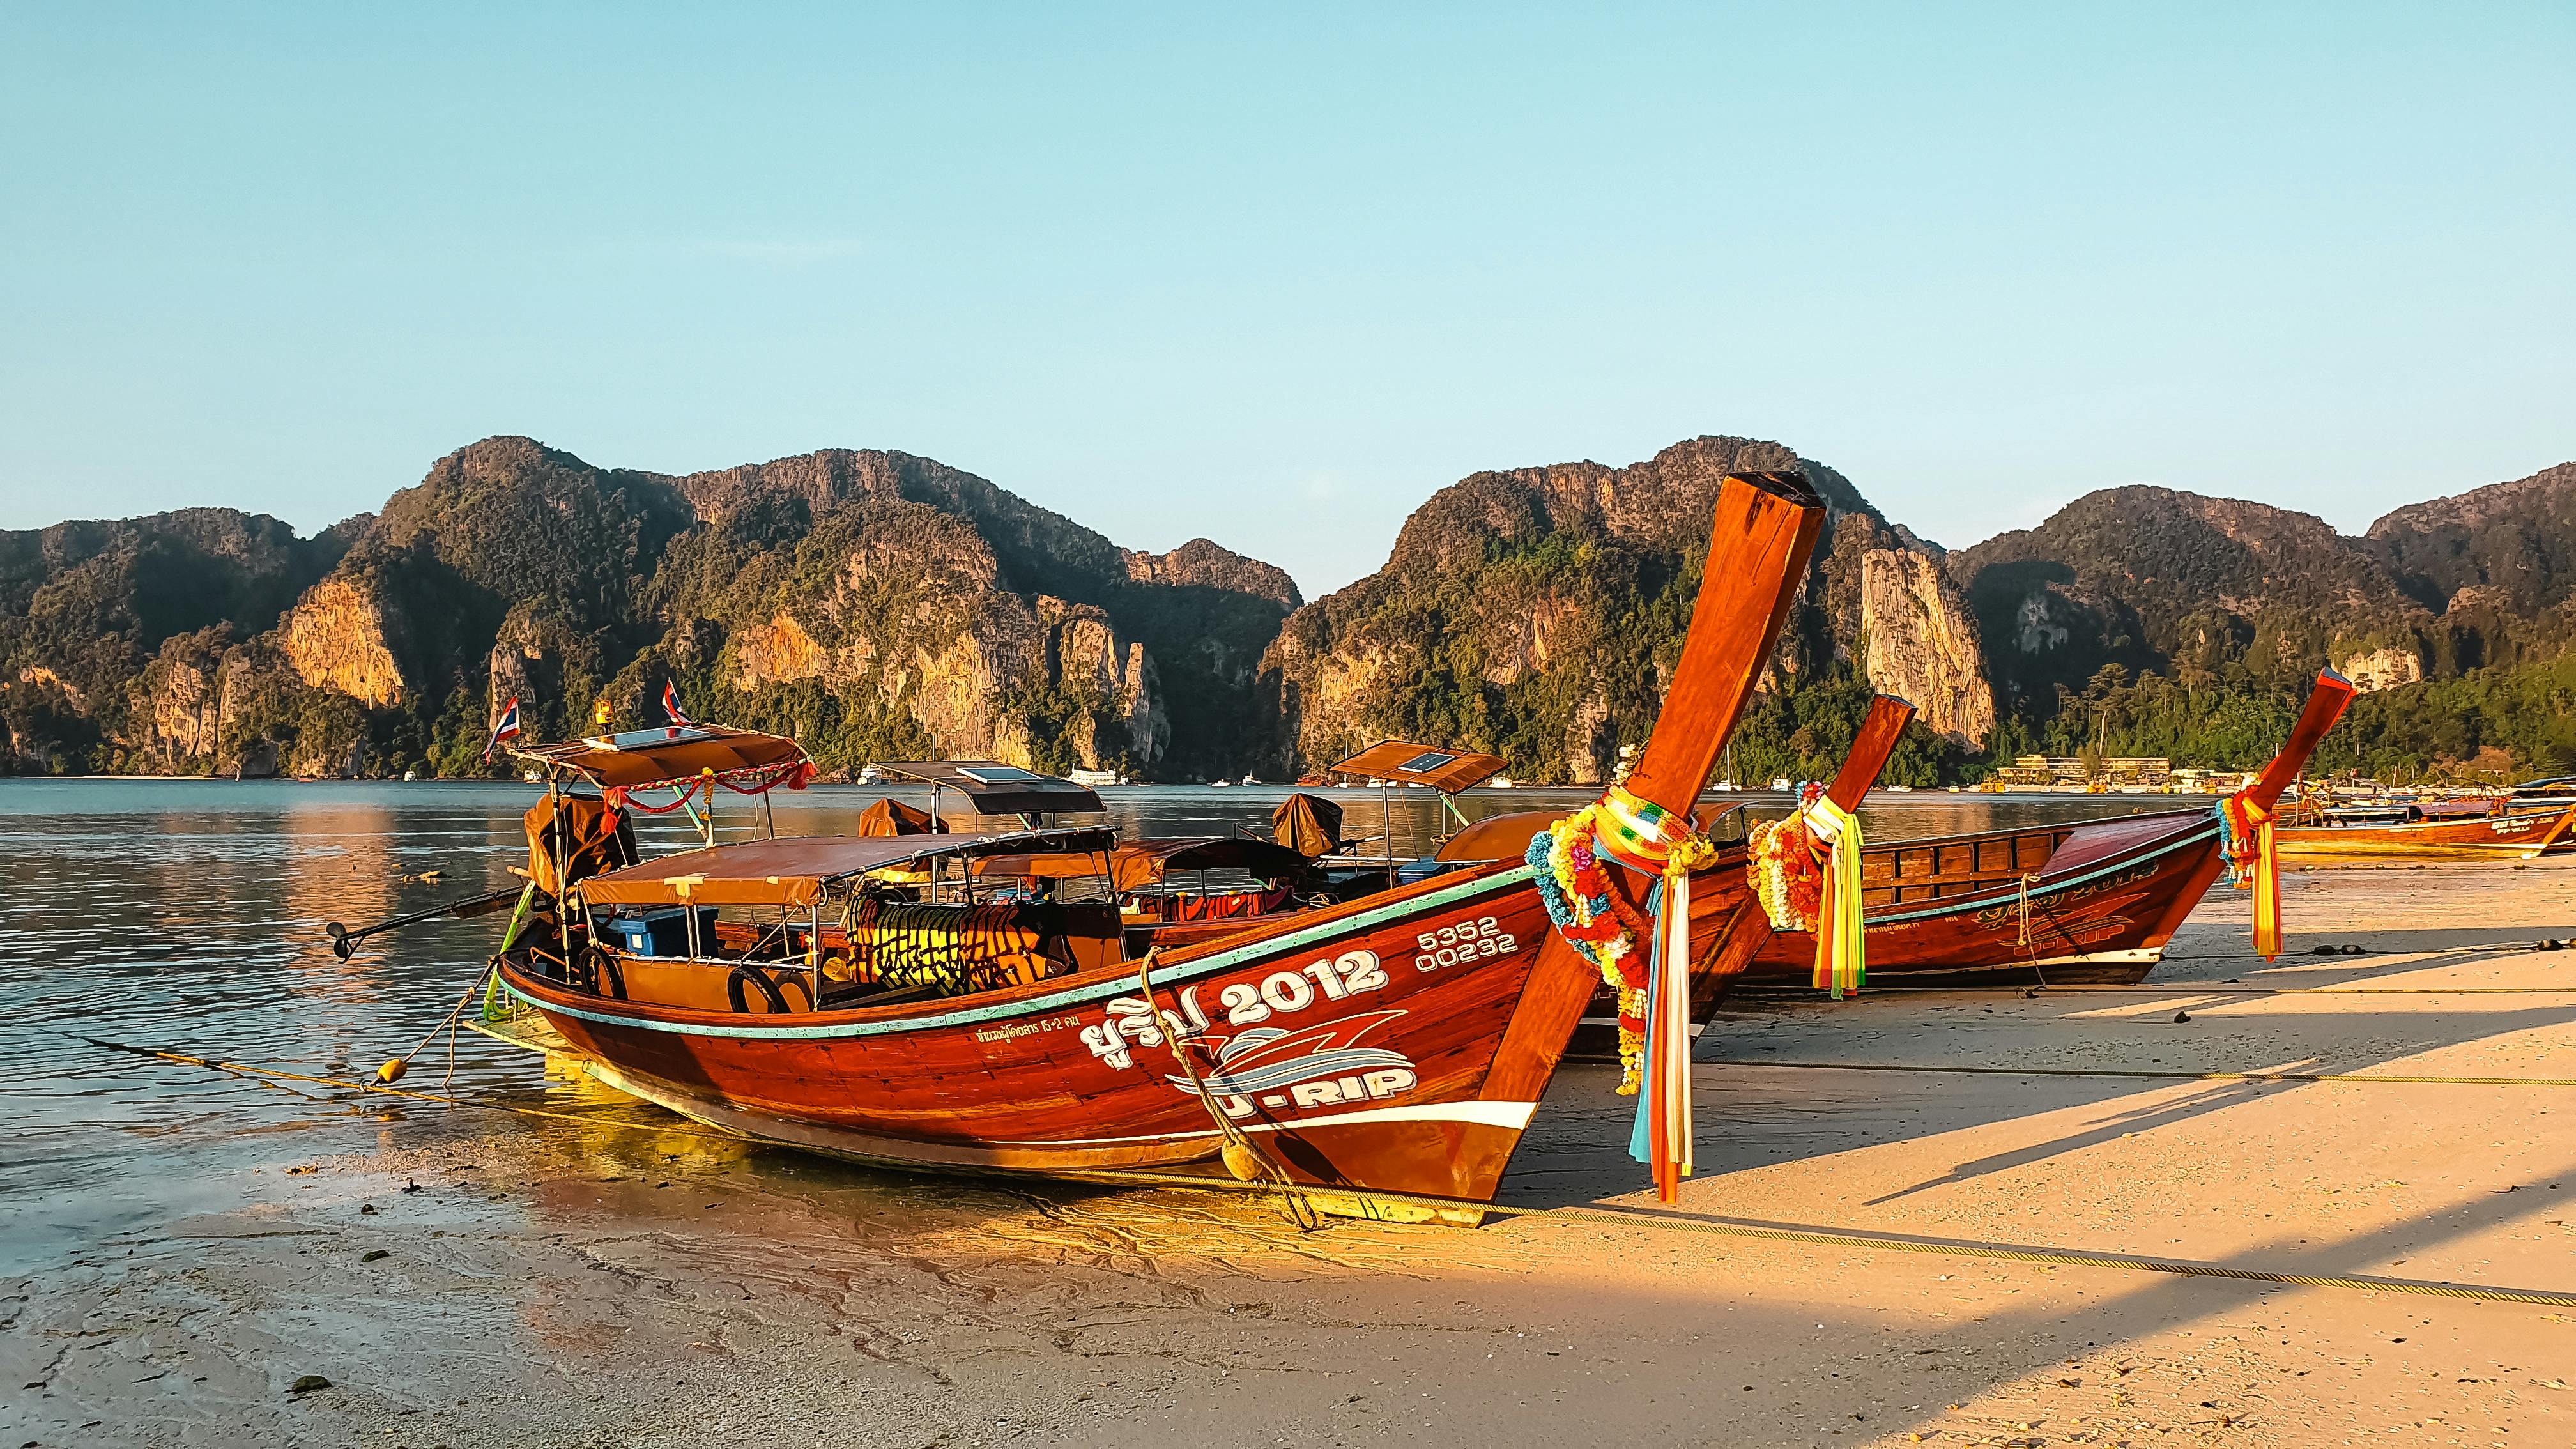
[486,1279]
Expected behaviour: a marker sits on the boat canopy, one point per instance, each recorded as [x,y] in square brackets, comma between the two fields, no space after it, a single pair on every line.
[1405,763]
[676,754]
[994,788]
[796,870]
[1149,862]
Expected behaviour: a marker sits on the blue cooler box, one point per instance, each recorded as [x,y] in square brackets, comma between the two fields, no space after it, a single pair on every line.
[661,933]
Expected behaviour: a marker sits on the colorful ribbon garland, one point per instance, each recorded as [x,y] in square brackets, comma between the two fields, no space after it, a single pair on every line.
[1654,993]
[2254,862]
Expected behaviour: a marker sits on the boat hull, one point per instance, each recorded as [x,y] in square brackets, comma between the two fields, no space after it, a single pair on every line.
[2101,906]
[2521,836]
[1352,1050]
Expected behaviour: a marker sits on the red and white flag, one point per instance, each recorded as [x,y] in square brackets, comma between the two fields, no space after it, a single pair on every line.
[504,728]
[671,703]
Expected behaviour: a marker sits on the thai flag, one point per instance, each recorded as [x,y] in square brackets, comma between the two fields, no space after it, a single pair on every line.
[671,703]
[505,728]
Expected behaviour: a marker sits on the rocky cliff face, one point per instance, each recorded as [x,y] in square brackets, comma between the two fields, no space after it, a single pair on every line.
[876,604]
[113,634]
[1537,612]
[336,639]
[910,589]
[1920,643]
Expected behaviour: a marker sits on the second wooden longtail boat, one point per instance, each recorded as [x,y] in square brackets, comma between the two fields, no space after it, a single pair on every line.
[1398,1042]
[2088,902]
[2095,901]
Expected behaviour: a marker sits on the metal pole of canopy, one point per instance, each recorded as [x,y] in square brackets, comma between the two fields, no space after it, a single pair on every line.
[768,816]
[814,954]
[1386,827]
[563,867]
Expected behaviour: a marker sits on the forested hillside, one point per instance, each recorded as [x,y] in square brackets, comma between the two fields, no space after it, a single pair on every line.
[879,605]
[875,604]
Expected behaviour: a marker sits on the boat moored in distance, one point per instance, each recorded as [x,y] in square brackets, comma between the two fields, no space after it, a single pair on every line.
[2496,829]
[863,997]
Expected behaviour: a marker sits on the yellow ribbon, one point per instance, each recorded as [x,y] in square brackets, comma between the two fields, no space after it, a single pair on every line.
[1841,955]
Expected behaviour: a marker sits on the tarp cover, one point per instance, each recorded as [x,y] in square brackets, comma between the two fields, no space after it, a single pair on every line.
[1148,862]
[893,817]
[643,759]
[596,838]
[793,870]
[1307,824]
[1405,763]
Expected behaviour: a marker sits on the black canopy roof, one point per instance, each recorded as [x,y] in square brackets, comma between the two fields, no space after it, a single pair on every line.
[994,788]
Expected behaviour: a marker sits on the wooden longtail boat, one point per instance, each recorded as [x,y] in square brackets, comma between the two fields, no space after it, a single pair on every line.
[2489,834]
[1397,1042]
[2095,901]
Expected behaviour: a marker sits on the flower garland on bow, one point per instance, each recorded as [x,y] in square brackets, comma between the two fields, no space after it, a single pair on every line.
[1781,864]
[1805,870]
[2246,842]
[1566,862]
[1602,928]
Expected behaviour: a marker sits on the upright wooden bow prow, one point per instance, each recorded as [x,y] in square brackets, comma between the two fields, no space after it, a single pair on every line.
[1842,960]
[2249,816]
[1765,529]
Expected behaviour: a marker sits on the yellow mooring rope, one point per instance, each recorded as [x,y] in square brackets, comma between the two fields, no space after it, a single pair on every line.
[1663,1223]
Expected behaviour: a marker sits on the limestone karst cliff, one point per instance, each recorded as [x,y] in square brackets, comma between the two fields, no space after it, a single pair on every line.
[876,604]
[1535,613]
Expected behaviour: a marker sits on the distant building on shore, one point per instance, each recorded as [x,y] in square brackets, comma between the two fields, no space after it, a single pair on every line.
[2066,772]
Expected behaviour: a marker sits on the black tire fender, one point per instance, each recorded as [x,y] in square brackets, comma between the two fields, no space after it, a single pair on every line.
[774,1001]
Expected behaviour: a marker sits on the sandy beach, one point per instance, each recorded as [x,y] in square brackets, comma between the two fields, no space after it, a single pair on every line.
[491,1279]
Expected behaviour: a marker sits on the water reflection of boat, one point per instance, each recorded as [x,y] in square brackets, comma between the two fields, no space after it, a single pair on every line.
[954,1031]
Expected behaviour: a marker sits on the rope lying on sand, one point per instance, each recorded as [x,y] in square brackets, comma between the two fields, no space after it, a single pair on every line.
[2140,1072]
[1661,1222]
[267,1075]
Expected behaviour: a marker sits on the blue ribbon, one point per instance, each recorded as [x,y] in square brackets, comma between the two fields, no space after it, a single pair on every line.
[1639,1132]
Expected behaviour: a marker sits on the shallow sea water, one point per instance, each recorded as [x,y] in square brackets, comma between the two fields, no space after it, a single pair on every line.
[187,915]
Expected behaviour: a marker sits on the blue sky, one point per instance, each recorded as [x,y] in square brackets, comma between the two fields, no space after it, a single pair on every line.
[1274,277]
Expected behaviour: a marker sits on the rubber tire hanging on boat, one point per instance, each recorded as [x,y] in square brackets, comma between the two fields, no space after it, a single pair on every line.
[598,973]
[769,992]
